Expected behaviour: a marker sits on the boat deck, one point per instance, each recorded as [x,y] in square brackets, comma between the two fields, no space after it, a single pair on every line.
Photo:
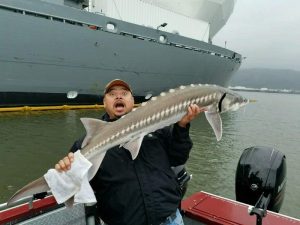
[212,209]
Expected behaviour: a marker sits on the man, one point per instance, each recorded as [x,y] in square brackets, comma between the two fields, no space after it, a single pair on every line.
[144,190]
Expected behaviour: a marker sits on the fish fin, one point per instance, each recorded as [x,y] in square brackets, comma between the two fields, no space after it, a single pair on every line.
[92,126]
[70,202]
[96,161]
[215,122]
[134,145]
[38,186]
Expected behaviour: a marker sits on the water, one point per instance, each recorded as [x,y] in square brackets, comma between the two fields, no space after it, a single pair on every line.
[32,142]
[272,121]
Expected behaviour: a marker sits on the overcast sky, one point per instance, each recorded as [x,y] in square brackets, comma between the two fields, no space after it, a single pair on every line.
[266,32]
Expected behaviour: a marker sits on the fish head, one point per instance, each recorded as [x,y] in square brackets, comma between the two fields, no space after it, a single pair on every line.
[231,101]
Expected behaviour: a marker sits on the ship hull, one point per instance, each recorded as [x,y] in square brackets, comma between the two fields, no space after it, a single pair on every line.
[49,50]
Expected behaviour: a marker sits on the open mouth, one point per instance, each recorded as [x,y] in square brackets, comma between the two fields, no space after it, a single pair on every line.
[119,105]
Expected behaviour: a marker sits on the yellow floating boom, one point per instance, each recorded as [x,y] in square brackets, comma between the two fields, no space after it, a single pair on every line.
[45,108]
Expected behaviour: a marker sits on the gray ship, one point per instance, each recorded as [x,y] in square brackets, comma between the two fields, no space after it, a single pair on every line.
[63,52]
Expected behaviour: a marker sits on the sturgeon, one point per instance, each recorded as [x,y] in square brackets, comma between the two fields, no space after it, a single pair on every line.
[129,131]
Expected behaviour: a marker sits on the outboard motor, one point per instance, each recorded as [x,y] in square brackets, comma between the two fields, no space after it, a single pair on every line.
[261,180]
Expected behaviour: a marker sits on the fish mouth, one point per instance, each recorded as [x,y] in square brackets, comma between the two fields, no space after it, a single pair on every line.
[238,105]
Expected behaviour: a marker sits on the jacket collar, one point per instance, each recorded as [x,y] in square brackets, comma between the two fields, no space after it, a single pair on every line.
[106,118]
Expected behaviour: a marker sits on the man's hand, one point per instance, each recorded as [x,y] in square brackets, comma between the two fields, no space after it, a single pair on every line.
[192,112]
[65,163]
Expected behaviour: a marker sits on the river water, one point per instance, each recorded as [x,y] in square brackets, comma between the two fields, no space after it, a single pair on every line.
[32,142]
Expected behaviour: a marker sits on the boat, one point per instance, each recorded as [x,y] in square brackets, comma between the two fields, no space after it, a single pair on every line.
[262,169]
[201,208]
[63,52]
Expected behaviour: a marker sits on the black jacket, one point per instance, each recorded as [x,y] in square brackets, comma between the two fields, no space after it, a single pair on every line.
[144,190]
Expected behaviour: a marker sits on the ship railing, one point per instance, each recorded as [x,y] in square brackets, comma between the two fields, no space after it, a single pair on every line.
[51,17]
[141,37]
[178,45]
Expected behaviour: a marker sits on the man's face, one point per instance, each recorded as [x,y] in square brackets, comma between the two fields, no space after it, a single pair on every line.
[118,101]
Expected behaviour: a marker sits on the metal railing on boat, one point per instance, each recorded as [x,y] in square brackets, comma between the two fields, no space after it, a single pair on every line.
[44,211]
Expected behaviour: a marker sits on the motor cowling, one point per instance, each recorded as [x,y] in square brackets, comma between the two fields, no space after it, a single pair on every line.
[261,171]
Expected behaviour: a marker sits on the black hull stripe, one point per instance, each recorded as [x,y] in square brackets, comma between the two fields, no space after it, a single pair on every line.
[16,99]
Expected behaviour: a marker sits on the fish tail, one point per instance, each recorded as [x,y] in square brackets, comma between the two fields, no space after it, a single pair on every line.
[37,186]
